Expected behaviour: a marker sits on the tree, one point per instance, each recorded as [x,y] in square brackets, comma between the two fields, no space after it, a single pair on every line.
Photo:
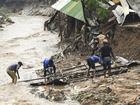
[93,5]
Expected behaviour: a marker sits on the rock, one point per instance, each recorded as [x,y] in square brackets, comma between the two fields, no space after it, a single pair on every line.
[108,89]
[41,94]
[105,89]
[56,95]
[34,90]
[1,19]
[9,20]
[137,100]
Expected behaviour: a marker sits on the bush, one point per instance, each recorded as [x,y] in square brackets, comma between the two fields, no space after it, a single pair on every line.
[93,5]
[103,14]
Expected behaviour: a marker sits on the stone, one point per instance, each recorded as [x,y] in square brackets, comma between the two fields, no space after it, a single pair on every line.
[56,95]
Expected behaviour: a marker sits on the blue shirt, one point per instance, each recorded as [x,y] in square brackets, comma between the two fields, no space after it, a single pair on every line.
[13,67]
[95,58]
[48,63]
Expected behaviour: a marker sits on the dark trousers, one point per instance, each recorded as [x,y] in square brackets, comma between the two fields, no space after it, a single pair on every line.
[49,70]
[107,65]
[90,64]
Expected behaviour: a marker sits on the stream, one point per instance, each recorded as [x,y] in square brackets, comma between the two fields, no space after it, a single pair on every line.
[25,41]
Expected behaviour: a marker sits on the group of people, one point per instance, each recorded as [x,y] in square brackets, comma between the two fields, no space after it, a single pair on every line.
[48,67]
[102,53]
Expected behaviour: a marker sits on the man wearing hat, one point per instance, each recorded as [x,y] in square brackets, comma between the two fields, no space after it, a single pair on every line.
[12,70]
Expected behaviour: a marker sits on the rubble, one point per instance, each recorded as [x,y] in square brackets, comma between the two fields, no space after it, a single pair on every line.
[56,95]
[49,94]
[116,90]
[97,97]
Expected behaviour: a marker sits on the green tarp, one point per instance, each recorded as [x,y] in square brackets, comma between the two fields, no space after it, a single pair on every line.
[71,8]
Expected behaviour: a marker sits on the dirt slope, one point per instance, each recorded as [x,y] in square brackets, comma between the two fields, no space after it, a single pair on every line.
[127,42]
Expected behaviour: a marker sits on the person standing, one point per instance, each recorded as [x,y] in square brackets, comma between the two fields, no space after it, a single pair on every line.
[106,56]
[12,70]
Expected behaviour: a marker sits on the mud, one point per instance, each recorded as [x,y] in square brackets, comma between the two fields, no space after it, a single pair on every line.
[122,89]
[127,43]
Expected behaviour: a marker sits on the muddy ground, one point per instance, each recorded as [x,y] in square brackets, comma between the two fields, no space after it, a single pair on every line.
[121,89]
[127,42]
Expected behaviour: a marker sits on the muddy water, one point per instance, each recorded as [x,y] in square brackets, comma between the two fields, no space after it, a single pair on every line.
[25,41]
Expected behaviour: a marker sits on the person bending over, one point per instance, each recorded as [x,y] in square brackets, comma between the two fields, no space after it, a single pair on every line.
[48,65]
[12,70]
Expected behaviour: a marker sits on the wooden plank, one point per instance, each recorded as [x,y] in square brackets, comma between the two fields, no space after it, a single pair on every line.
[29,80]
[81,69]
[67,69]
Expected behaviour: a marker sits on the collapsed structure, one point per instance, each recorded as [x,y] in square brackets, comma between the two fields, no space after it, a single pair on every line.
[75,9]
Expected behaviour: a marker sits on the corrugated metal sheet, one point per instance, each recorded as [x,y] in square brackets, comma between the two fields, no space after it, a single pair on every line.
[135,5]
[121,11]
[72,8]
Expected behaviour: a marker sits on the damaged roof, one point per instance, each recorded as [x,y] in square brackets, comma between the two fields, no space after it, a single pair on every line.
[121,11]
[135,5]
[71,8]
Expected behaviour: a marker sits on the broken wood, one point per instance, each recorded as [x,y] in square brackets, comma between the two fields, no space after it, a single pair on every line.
[67,69]
[79,73]
[32,79]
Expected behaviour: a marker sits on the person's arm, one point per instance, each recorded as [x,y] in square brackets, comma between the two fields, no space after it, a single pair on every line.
[18,74]
[54,68]
[112,54]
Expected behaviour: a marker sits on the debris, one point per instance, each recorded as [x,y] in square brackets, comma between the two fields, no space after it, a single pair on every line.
[135,5]
[56,95]
[121,11]
[78,73]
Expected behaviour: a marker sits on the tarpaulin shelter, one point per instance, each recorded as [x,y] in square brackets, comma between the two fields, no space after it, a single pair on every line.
[71,8]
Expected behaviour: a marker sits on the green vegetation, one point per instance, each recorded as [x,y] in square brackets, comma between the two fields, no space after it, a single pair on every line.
[102,13]
[93,5]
